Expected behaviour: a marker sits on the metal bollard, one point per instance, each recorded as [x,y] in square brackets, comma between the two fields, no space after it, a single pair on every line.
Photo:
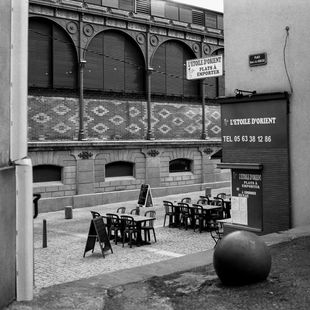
[44,244]
[68,212]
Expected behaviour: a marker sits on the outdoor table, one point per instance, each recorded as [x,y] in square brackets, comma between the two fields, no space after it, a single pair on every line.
[206,210]
[139,220]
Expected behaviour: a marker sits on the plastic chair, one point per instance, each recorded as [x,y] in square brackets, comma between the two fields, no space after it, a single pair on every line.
[130,228]
[185,216]
[169,212]
[149,225]
[114,225]
[121,210]
[186,200]
[221,195]
[203,201]
[134,211]
[199,216]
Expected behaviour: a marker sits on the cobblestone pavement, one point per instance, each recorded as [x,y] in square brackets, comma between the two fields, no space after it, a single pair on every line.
[62,260]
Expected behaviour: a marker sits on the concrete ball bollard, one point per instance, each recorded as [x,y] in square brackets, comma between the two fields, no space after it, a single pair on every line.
[241,258]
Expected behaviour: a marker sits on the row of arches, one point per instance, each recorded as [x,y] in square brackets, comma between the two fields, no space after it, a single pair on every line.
[114,63]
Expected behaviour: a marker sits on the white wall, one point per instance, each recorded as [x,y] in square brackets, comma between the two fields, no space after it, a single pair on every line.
[257,26]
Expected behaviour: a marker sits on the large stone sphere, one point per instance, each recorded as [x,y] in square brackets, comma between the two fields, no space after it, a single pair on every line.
[241,258]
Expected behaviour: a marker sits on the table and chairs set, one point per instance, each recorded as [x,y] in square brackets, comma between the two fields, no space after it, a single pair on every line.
[131,227]
[203,214]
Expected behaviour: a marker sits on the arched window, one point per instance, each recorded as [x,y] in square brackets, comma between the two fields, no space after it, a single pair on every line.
[114,63]
[169,75]
[180,165]
[52,60]
[119,169]
[46,173]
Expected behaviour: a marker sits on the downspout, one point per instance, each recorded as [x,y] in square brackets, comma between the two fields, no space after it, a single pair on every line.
[18,150]
[24,224]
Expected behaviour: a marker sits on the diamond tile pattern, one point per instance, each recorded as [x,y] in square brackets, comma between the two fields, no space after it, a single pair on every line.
[57,118]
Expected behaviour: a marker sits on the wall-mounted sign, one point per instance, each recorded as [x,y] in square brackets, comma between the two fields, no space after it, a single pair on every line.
[204,67]
[256,124]
[258,59]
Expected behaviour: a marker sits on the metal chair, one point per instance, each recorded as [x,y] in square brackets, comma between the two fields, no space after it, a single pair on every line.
[186,200]
[149,226]
[217,233]
[130,228]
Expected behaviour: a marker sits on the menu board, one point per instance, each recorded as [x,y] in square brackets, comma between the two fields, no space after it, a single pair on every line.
[239,210]
[145,196]
[247,197]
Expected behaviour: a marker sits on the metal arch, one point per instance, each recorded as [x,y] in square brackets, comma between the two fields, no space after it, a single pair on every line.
[126,33]
[61,23]
[187,43]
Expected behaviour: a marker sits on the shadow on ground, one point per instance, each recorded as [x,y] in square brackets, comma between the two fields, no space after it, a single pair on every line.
[287,287]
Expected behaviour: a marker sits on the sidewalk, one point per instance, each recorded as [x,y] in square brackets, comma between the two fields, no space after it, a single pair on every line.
[66,280]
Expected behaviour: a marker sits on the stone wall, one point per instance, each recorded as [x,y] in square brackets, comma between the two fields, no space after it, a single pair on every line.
[83,182]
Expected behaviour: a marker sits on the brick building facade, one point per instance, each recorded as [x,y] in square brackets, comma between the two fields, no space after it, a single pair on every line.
[109,105]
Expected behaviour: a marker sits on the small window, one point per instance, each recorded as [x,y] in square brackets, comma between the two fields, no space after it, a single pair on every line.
[119,169]
[198,18]
[143,6]
[172,11]
[46,173]
[211,20]
[180,165]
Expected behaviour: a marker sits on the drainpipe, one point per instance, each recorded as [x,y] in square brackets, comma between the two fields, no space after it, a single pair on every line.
[24,228]
[18,150]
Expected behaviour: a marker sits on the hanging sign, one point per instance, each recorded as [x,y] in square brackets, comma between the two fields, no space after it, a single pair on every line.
[204,67]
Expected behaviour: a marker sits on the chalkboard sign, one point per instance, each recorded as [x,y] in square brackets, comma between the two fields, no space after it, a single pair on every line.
[145,196]
[97,232]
